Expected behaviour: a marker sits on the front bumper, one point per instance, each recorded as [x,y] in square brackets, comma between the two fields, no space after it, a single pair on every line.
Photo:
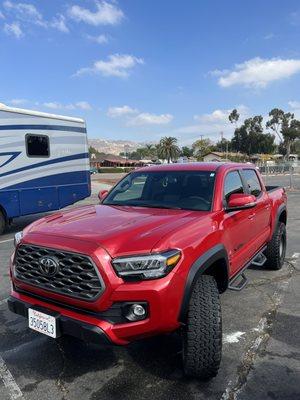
[162,296]
[67,326]
[161,316]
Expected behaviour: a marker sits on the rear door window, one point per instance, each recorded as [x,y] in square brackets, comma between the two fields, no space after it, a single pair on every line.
[252,182]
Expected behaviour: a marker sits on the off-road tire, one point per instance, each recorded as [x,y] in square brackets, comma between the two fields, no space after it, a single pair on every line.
[2,222]
[202,335]
[276,248]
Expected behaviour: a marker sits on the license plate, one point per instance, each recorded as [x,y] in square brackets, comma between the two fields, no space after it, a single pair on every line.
[42,323]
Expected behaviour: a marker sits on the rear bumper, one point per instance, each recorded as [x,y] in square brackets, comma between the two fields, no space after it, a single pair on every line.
[67,326]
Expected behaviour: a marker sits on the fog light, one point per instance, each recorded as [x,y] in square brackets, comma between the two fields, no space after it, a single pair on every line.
[136,312]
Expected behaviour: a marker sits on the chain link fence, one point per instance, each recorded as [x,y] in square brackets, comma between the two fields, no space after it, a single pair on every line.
[284,174]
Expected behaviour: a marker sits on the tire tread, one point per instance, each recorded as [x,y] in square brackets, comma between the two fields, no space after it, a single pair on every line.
[203,335]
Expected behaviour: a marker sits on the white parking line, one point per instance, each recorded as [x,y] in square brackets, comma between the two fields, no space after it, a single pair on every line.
[233,337]
[234,387]
[3,301]
[11,385]
[7,240]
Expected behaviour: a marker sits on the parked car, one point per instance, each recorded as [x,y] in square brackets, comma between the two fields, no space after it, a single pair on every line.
[152,258]
[44,162]
[93,171]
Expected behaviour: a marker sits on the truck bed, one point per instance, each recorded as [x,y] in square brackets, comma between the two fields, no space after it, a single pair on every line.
[272,188]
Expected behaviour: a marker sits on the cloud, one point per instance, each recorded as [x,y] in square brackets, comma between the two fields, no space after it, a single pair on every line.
[80,105]
[105,14]
[221,115]
[2,16]
[211,125]
[14,29]
[27,13]
[294,104]
[295,108]
[116,112]
[269,36]
[100,39]
[294,18]
[116,65]
[83,105]
[150,119]
[18,102]
[59,23]
[136,118]
[258,72]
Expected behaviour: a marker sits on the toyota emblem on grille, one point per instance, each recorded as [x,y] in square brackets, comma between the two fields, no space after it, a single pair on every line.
[49,266]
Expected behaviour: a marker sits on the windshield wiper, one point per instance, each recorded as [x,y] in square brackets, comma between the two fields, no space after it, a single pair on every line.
[165,207]
[143,205]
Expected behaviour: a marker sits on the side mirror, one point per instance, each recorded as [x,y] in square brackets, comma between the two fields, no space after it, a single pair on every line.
[102,194]
[240,201]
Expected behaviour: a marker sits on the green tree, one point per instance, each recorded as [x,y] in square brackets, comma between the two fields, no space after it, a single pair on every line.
[186,151]
[296,147]
[234,116]
[285,126]
[151,151]
[249,138]
[168,148]
[92,150]
[202,147]
[222,146]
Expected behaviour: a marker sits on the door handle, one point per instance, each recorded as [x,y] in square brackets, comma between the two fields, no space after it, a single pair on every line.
[251,216]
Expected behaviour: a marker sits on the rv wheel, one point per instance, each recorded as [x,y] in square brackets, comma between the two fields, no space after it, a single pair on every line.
[2,222]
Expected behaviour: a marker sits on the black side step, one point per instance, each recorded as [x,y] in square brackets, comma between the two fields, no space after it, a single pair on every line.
[259,260]
[239,281]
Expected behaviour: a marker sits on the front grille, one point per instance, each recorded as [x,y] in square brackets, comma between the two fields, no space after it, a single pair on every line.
[75,275]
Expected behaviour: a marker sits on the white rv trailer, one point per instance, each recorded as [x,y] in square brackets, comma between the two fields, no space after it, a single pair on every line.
[44,162]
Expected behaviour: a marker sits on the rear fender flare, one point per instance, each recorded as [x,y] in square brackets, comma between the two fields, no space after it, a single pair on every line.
[280,210]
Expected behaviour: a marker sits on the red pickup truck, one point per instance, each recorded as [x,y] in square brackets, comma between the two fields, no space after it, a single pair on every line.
[152,258]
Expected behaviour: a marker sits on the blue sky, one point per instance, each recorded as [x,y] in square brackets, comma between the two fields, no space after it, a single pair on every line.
[140,69]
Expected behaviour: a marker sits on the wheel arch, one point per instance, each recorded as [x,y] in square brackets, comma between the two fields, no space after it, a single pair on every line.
[3,212]
[281,216]
[213,262]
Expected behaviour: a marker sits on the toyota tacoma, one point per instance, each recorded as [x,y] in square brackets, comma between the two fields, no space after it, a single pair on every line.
[151,258]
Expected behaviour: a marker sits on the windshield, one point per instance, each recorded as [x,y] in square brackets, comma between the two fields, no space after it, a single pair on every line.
[186,190]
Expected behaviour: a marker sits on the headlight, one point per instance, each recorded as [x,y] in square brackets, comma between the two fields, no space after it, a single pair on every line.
[18,238]
[151,266]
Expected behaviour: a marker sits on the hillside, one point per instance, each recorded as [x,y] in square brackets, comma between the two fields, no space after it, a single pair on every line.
[114,146]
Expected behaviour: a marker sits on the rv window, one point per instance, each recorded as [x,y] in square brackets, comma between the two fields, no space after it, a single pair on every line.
[37,146]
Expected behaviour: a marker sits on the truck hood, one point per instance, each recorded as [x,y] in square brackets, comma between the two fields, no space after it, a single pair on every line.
[120,230]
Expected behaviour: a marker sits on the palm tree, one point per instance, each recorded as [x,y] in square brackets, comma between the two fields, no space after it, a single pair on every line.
[151,150]
[168,149]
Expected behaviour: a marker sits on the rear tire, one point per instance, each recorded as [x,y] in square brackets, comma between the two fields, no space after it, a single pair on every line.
[202,336]
[276,248]
[2,222]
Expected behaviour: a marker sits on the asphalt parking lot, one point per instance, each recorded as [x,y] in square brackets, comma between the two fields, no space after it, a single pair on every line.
[261,353]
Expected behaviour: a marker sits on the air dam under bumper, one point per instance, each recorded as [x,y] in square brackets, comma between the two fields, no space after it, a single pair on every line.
[67,326]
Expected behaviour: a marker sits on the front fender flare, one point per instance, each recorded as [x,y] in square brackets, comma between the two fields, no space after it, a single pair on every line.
[198,268]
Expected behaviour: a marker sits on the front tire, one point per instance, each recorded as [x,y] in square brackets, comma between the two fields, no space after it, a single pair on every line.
[2,223]
[202,336]
[276,248]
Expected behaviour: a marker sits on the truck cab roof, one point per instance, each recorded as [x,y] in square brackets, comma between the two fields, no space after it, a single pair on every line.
[196,166]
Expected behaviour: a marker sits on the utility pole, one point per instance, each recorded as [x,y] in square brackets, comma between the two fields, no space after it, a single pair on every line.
[222,135]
